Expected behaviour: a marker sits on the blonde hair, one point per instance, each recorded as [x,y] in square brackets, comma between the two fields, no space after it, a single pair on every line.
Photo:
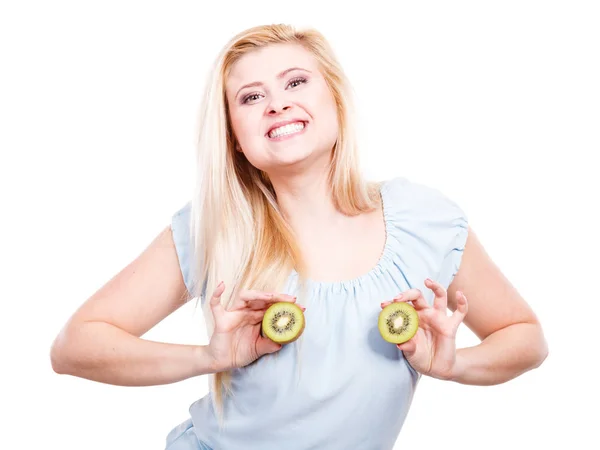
[239,233]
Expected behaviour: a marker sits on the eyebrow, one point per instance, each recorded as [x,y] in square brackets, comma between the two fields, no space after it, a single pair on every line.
[259,83]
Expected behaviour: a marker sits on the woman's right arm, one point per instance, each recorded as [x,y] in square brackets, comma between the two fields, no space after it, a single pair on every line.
[102,342]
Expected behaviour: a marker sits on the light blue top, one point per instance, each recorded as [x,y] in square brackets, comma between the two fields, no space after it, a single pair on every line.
[340,386]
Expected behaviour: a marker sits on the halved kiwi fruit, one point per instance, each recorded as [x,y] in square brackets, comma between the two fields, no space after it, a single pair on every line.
[283,322]
[398,322]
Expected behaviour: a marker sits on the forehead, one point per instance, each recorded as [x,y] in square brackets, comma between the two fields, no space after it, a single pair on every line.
[264,64]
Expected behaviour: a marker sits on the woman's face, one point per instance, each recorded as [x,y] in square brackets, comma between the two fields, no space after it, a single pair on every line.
[281,109]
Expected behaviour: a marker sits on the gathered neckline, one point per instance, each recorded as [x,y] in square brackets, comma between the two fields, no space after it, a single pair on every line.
[375,269]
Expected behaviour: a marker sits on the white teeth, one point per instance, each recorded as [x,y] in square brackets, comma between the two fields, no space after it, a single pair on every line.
[290,128]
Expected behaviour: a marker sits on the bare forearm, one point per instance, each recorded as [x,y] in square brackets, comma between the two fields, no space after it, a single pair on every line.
[502,356]
[102,352]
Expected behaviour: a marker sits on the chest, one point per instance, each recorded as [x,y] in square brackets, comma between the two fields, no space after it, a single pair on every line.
[341,354]
[345,252]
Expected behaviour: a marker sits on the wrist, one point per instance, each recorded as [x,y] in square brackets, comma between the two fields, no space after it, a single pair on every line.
[206,363]
[459,367]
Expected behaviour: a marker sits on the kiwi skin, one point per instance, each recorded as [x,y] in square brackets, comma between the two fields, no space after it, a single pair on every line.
[409,311]
[265,323]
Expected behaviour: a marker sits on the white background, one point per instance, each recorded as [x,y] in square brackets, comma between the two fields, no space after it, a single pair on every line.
[495,103]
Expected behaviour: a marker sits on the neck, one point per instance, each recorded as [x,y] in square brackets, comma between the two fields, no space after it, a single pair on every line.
[305,199]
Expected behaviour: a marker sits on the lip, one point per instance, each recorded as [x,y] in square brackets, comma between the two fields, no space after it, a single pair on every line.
[282,123]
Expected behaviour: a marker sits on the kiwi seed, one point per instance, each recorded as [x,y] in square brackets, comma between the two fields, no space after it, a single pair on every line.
[398,322]
[283,322]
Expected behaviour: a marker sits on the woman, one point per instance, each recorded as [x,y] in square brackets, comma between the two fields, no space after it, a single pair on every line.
[281,213]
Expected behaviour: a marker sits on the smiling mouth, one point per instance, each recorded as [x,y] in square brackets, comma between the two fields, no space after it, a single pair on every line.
[287,131]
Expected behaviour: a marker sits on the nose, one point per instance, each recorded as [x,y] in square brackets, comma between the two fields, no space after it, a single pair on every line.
[278,105]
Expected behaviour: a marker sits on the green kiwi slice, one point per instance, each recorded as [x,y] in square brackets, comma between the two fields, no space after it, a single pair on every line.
[398,322]
[283,322]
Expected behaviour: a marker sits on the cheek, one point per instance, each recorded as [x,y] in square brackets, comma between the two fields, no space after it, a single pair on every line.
[244,127]
[328,120]
[326,106]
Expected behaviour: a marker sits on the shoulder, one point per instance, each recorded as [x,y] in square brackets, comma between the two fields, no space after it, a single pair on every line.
[181,227]
[182,237]
[426,226]
[410,200]
[183,213]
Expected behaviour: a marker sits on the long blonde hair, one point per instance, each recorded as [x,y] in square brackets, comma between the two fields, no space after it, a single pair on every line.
[239,235]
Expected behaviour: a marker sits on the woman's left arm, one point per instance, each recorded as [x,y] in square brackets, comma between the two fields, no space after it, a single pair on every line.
[512,340]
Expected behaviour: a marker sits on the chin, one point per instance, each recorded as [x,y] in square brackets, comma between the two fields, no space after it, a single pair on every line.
[294,155]
[301,161]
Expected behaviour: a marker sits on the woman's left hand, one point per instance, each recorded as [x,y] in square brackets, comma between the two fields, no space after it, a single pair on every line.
[432,350]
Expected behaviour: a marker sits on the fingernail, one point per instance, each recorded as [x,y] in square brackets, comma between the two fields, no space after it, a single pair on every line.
[399,297]
[220,284]
[429,280]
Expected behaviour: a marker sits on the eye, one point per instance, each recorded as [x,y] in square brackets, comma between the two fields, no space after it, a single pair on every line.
[250,97]
[297,81]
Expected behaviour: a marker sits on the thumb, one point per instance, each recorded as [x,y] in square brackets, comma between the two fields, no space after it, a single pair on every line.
[215,301]
[265,345]
[408,348]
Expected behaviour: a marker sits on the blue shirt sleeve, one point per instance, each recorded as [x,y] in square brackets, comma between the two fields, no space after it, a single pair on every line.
[429,223]
[182,237]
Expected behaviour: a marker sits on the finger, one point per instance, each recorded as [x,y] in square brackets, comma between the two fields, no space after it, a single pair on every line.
[440,301]
[396,299]
[249,295]
[256,317]
[408,348]
[279,297]
[413,295]
[265,346]
[262,303]
[245,297]
[461,309]
[215,300]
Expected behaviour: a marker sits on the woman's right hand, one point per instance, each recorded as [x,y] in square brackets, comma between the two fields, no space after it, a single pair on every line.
[237,339]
